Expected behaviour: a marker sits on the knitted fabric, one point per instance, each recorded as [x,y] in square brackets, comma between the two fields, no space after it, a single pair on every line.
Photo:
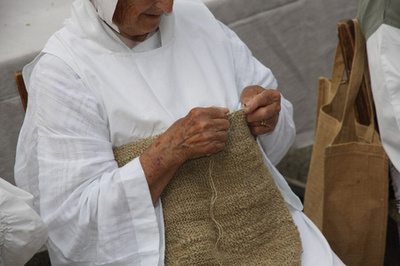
[225,209]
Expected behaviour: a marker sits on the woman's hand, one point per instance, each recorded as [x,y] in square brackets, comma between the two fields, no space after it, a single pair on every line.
[202,132]
[262,108]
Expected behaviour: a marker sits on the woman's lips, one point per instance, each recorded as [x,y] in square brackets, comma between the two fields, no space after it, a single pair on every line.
[158,15]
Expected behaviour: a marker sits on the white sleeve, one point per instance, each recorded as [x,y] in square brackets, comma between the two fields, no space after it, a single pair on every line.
[22,231]
[95,211]
[249,71]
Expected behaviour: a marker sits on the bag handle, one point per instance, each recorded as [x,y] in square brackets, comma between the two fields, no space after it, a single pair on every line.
[363,104]
[337,70]
[357,73]
[354,80]
[358,70]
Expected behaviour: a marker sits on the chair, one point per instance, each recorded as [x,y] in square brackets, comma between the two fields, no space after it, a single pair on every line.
[21,88]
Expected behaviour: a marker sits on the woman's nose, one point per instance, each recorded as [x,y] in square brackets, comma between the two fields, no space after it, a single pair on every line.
[165,5]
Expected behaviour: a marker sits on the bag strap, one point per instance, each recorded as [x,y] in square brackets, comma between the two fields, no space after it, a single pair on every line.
[354,79]
[337,70]
[359,68]
[363,105]
[357,73]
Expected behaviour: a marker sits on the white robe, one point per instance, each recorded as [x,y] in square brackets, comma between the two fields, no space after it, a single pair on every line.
[101,214]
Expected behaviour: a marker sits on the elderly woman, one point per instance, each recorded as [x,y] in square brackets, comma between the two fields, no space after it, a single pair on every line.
[118,72]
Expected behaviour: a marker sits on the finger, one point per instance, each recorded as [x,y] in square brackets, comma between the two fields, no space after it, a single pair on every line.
[220,125]
[260,129]
[216,112]
[209,149]
[263,113]
[249,93]
[210,112]
[208,137]
[266,97]
[206,120]
[215,148]
[206,143]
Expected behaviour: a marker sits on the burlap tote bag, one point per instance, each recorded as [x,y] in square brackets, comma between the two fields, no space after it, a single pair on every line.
[347,186]
[225,209]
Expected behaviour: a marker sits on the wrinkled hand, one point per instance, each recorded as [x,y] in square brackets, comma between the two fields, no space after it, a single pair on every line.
[262,108]
[202,132]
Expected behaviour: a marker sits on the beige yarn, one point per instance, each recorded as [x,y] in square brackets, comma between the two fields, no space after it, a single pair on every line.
[225,209]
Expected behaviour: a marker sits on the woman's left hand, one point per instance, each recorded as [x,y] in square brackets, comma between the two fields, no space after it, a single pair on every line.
[262,108]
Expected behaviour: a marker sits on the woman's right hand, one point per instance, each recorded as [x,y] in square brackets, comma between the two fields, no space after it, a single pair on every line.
[202,132]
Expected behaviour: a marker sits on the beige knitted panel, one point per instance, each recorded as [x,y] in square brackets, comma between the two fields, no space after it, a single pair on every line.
[225,209]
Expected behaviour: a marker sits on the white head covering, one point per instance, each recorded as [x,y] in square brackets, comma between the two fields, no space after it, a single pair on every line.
[106,9]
